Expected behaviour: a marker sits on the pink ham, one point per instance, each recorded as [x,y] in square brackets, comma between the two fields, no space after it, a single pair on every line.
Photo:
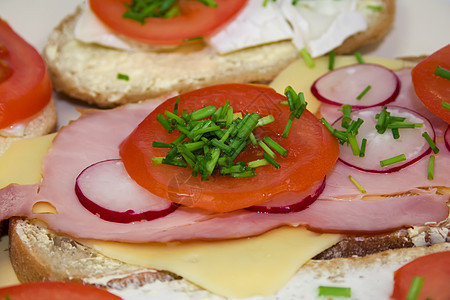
[96,136]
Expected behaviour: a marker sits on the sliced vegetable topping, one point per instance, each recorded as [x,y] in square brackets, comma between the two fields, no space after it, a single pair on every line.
[382,151]
[308,140]
[182,21]
[431,88]
[359,85]
[105,190]
[426,277]
[25,88]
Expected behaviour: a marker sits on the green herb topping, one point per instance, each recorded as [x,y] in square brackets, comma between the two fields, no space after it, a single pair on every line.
[212,138]
[139,10]
[332,291]
[442,72]
[123,76]
[416,286]
[307,58]
[357,184]
[431,167]
[392,160]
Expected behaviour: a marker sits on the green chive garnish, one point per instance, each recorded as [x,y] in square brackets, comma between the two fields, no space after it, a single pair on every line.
[356,184]
[442,72]
[404,125]
[266,149]
[275,146]
[258,163]
[359,58]
[430,142]
[431,167]
[203,113]
[359,97]
[123,76]
[445,105]
[332,291]
[175,108]
[362,151]
[374,7]
[346,119]
[271,160]
[416,286]
[353,144]
[163,121]
[393,160]
[307,58]
[331,60]
[395,133]
[162,145]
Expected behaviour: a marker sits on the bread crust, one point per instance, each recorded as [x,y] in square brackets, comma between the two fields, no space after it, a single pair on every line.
[89,72]
[42,123]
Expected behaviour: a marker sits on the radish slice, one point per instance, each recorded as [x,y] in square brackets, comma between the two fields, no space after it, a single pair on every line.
[344,85]
[289,202]
[383,146]
[447,138]
[106,189]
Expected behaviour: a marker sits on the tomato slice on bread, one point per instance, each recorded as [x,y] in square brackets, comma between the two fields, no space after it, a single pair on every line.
[25,87]
[435,271]
[312,152]
[196,20]
[54,291]
[432,89]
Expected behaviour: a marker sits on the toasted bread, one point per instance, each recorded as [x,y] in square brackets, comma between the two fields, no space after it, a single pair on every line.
[89,71]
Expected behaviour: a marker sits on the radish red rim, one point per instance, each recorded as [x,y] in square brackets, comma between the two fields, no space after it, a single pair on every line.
[103,195]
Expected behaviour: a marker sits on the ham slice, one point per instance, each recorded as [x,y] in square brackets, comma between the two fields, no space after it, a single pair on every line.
[96,136]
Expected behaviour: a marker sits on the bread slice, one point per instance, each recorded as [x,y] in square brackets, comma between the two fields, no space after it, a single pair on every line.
[39,254]
[89,72]
[42,123]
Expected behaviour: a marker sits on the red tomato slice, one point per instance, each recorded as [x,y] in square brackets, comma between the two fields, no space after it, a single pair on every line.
[434,268]
[430,88]
[25,87]
[312,152]
[196,20]
[55,291]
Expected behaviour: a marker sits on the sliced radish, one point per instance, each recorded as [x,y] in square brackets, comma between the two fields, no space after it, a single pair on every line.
[379,147]
[290,202]
[106,189]
[344,85]
[447,138]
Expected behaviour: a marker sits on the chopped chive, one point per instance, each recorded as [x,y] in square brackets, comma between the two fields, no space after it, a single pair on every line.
[346,111]
[359,97]
[248,126]
[195,38]
[227,133]
[353,144]
[163,121]
[375,7]
[182,129]
[211,164]
[224,111]
[232,169]
[284,102]
[382,121]
[404,125]
[179,139]
[238,149]
[225,148]
[275,146]
[229,116]
[442,72]
[430,142]
[171,115]
[162,145]
[357,184]
[393,160]
[359,58]
[292,96]
[416,286]
[253,139]
[157,160]
[307,58]
[266,149]
[362,151]
[175,163]
[202,113]
[331,60]
[288,126]
[333,291]
[431,160]
[265,120]
[271,160]
[123,76]
[245,174]
[194,146]
[395,133]
[354,126]
[175,108]
[445,105]
[258,163]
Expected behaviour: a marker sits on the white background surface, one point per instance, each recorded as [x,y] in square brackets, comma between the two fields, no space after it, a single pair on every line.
[421,27]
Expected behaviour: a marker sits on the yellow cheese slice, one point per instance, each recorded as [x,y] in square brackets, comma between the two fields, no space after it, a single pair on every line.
[237,268]
[301,77]
[21,163]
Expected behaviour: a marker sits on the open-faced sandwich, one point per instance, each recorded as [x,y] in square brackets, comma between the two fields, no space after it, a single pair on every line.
[26,105]
[237,191]
[110,52]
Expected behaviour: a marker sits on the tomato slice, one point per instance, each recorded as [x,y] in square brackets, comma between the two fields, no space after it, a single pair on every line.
[55,291]
[196,20]
[434,268]
[430,88]
[312,152]
[25,87]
